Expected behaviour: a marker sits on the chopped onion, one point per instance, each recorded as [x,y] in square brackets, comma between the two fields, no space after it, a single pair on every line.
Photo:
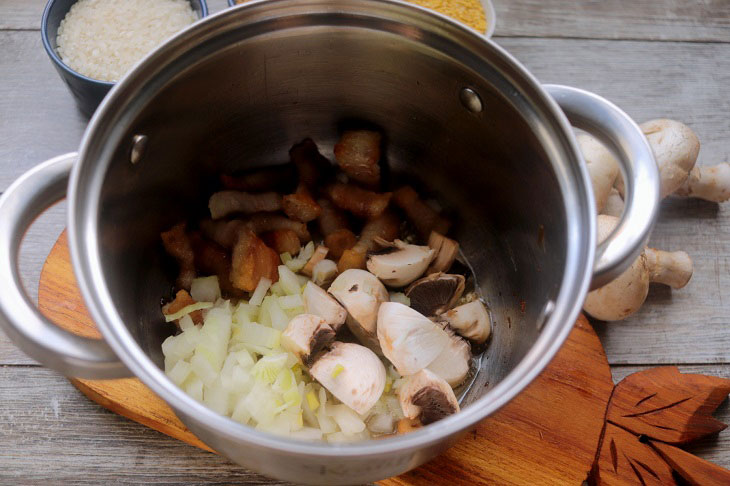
[260,292]
[205,289]
[290,301]
[289,281]
[187,310]
[347,419]
[180,372]
[258,335]
[186,322]
[324,272]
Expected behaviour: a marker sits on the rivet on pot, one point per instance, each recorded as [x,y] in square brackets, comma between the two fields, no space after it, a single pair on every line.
[547,311]
[471,100]
[139,144]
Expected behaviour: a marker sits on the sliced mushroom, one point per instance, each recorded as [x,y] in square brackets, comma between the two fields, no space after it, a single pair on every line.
[446,250]
[400,265]
[452,364]
[410,340]
[306,337]
[437,293]
[426,397]
[361,293]
[320,303]
[471,321]
[353,374]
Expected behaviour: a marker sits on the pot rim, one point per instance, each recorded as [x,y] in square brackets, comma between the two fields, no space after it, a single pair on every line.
[88,174]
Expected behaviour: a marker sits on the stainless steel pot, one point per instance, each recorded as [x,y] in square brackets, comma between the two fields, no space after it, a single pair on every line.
[461,116]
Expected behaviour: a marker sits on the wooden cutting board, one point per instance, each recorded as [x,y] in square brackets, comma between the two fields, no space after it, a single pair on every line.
[551,433]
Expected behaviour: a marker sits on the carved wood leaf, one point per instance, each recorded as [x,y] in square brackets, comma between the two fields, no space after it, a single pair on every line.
[694,470]
[669,406]
[625,461]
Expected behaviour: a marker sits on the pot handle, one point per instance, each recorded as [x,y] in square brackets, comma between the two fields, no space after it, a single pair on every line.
[30,195]
[622,135]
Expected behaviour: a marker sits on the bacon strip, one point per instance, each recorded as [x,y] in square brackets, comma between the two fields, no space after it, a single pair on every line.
[225,203]
[225,233]
[300,206]
[311,165]
[423,216]
[357,153]
[177,245]
[360,202]
[252,260]
[282,241]
[182,300]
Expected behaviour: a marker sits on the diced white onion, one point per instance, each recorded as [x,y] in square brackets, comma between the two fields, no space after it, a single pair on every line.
[187,310]
[205,289]
[260,291]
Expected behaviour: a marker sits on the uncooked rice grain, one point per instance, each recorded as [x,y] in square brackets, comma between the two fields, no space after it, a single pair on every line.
[103,39]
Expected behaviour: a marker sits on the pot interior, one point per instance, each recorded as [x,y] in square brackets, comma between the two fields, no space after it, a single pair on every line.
[242,96]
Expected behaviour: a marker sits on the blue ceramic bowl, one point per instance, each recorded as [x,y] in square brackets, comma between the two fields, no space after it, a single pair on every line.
[87,91]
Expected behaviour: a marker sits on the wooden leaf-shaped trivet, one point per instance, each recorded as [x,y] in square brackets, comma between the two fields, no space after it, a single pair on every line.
[650,410]
[669,406]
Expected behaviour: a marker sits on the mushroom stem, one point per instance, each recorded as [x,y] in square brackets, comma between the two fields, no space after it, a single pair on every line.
[624,295]
[601,165]
[708,183]
[614,204]
[668,268]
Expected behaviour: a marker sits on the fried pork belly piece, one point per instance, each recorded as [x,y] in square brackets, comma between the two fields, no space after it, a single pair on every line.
[177,245]
[182,300]
[252,260]
[385,226]
[423,216]
[225,232]
[358,201]
[335,228]
[275,178]
[212,259]
[262,222]
[357,153]
[312,166]
[300,206]
[282,241]
[225,203]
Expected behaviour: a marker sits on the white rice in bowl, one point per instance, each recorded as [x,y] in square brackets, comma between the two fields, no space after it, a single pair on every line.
[103,39]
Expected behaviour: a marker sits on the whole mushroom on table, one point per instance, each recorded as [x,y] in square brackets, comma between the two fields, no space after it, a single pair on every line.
[676,148]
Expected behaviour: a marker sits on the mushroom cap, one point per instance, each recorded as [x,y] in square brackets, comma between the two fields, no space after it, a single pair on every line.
[306,336]
[452,364]
[322,304]
[427,397]
[470,320]
[361,293]
[602,167]
[624,295]
[410,340]
[675,147]
[353,374]
[436,293]
[402,264]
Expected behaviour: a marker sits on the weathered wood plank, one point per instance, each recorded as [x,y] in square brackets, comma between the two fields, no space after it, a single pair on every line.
[690,20]
[714,449]
[52,433]
[690,82]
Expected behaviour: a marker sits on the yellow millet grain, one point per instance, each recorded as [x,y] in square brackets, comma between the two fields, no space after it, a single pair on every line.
[469,12]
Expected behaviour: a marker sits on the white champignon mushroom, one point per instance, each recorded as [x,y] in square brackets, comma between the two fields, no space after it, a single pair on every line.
[361,293]
[353,374]
[614,204]
[306,336]
[437,293]
[400,265]
[322,304]
[675,147]
[452,364]
[602,167]
[624,295]
[408,339]
[446,251]
[470,320]
[427,398]
[708,183]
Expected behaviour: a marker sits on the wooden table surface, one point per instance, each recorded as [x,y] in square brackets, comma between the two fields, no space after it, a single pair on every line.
[654,58]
